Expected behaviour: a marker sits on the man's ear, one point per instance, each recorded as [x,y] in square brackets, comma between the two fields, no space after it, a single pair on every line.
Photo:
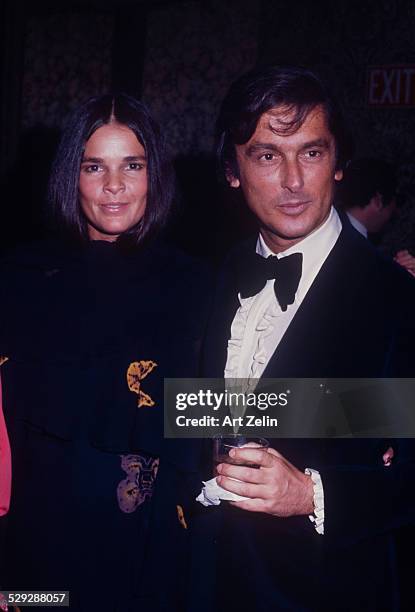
[231,178]
[338,175]
[376,202]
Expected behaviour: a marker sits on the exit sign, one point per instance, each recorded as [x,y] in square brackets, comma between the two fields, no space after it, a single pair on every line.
[391,86]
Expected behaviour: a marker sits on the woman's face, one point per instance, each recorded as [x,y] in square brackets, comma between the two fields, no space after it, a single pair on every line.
[112,182]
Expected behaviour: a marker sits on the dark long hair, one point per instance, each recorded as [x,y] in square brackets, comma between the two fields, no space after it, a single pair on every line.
[64,180]
[258,91]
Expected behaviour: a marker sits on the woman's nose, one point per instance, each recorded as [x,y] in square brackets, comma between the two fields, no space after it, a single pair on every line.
[114,182]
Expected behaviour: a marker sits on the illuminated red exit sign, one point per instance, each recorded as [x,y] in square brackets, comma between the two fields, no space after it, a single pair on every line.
[391,85]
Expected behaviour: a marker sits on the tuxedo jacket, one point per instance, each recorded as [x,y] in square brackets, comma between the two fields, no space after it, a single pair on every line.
[355,321]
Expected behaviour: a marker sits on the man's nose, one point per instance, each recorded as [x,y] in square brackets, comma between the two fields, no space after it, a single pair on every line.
[291,176]
[114,183]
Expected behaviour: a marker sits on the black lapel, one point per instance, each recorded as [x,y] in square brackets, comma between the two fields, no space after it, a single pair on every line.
[330,318]
[226,303]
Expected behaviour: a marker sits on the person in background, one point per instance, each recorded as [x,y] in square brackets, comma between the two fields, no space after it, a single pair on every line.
[368,195]
[367,192]
[405,259]
[92,323]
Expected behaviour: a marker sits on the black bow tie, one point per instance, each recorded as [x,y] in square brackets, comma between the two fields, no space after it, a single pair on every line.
[286,271]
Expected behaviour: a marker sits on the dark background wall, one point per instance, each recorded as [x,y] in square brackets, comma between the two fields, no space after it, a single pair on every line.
[180,57]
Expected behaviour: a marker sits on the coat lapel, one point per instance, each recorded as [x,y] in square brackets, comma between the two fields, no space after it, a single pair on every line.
[320,339]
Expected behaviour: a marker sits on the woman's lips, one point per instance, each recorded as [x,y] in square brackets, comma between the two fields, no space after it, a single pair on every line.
[113,207]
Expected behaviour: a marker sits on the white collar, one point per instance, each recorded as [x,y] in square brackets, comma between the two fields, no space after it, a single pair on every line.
[357,224]
[314,248]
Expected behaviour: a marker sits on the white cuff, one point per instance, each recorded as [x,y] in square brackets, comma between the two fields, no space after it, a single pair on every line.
[318,517]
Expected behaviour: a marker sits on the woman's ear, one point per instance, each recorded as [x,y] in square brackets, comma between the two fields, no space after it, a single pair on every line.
[231,178]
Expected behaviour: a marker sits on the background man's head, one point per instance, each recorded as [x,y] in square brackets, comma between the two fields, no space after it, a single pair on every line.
[368,192]
[282,138]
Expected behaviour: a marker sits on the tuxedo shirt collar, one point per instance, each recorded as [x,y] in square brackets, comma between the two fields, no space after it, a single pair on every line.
[357,224]
[314,249]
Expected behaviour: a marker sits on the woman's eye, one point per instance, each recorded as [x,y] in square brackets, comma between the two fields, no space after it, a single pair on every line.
[92,168]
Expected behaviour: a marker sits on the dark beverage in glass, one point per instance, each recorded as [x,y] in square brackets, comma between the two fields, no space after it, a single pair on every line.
[223,444]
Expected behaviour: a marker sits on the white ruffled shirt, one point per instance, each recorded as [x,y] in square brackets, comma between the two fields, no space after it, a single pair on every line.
[259,323]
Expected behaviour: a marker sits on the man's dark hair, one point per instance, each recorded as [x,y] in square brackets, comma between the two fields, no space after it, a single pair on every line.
[363,179]
[64,180]
[259,91]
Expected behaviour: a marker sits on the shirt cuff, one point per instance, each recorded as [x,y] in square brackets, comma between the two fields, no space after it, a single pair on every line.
[318,517]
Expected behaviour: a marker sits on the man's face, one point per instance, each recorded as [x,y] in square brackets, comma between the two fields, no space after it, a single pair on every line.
[288,178]
[379,213]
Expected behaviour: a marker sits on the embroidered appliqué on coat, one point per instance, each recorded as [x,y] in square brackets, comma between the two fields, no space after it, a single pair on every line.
[138,486]
[135,374]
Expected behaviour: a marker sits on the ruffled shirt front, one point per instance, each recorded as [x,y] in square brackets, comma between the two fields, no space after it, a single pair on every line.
[259,323]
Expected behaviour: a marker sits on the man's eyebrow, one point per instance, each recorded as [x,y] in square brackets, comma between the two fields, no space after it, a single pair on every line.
[319,142]
[268,146]
[261,146]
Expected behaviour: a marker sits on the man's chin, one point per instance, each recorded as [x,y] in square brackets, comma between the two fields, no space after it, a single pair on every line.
[293,233]
[293,228]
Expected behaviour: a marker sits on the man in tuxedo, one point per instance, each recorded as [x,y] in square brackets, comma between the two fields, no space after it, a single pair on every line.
[367,193]
[306,297]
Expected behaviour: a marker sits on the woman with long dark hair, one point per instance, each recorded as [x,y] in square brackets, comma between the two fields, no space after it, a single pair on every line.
[93,322]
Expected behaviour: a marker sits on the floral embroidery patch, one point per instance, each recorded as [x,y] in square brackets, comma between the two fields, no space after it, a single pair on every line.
[3,359]
[135,374]
[138,486]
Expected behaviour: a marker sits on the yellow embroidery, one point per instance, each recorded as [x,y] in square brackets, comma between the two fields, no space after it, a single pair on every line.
[180,516]
[3,359]
[135,374]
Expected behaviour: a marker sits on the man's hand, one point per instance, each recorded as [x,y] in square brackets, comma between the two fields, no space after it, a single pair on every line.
[388,456]
[406,260]
[277,487]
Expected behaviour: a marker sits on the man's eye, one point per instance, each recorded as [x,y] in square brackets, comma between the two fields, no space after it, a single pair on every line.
[313,153]
[267,156]
[134,166]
